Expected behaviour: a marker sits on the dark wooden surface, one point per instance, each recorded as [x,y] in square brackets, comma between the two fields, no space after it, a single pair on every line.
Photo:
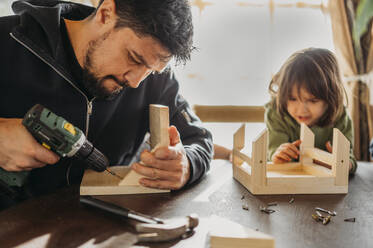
[57,220]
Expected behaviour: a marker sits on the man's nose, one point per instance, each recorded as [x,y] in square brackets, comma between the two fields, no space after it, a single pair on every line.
[137,75]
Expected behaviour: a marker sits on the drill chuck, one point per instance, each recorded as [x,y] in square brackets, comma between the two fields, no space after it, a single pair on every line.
[92,156]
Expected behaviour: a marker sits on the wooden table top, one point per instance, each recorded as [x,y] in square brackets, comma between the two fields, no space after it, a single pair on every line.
[58,220]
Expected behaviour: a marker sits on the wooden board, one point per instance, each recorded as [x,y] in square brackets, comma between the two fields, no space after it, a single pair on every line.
[224,233]
[159,122]
[103,183]
[95,183]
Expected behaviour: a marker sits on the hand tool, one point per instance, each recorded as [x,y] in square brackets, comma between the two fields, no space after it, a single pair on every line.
[60,136]
[152,229]
[56,134]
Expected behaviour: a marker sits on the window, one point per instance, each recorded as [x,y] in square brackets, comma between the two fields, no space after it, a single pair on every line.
[242,43]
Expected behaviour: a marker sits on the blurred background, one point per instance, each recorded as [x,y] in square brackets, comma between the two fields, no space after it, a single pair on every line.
[242,44]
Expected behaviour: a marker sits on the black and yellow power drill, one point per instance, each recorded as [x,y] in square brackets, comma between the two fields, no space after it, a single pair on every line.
[58,135]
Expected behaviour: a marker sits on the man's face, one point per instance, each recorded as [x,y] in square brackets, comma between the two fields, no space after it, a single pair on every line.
[305,107]
[119,59]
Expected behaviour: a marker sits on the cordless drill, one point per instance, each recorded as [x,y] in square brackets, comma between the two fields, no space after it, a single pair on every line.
[56,134]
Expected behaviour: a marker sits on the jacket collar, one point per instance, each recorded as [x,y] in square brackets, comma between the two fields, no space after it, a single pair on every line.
[40,21]
[39,31]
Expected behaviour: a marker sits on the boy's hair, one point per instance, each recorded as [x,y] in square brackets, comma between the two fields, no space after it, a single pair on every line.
[315,70]
[168,21]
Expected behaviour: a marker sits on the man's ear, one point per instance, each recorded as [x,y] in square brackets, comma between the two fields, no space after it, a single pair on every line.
[106,14]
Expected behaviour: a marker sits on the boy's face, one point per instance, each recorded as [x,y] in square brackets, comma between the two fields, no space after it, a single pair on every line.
[305,107]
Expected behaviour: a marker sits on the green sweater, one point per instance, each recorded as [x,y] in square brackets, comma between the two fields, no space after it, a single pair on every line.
[284,129]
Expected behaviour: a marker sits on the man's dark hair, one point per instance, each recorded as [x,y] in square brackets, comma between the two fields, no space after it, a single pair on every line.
[168,21]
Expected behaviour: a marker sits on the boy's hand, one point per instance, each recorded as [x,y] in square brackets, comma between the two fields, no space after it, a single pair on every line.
[329,147]
[286,152]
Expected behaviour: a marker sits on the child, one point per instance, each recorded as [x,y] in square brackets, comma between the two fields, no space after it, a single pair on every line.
[307,89]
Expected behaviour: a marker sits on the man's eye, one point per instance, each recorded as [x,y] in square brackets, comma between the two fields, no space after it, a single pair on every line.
[315,100]
[133,60]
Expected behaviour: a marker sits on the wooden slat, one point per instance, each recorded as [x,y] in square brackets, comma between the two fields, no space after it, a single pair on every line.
[317,170]
[341,153]
[293,166]
[242,174]
[308,141]
[238,144]
[225,233]
[103,183]
[229,113]
[158,125]
[242,156]
[259,159]
[319,154]
[300,185]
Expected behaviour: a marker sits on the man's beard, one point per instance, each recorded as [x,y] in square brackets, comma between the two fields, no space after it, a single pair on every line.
[94,84]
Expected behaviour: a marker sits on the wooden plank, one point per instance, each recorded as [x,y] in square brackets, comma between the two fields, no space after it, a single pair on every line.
[308,141]
[317,170]
[292,166]
[319,154]
[259,159]
[159,123]
[229,113]
[239,138]
[226,233]
[131,179]
[242,173]
[300,185]
[103,183]
[107,184]
[238,144]
[341,153]
[242,156]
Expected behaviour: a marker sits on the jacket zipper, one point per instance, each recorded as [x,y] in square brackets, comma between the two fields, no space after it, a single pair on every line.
[89,113]
[89,103]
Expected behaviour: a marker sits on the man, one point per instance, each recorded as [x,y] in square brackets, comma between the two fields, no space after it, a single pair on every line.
[99,69]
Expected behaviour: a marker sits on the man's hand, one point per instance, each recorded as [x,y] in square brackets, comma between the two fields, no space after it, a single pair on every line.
[166,167]
[286,152]
[19,151]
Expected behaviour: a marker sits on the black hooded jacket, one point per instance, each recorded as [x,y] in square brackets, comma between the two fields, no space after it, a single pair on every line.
[35,69]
